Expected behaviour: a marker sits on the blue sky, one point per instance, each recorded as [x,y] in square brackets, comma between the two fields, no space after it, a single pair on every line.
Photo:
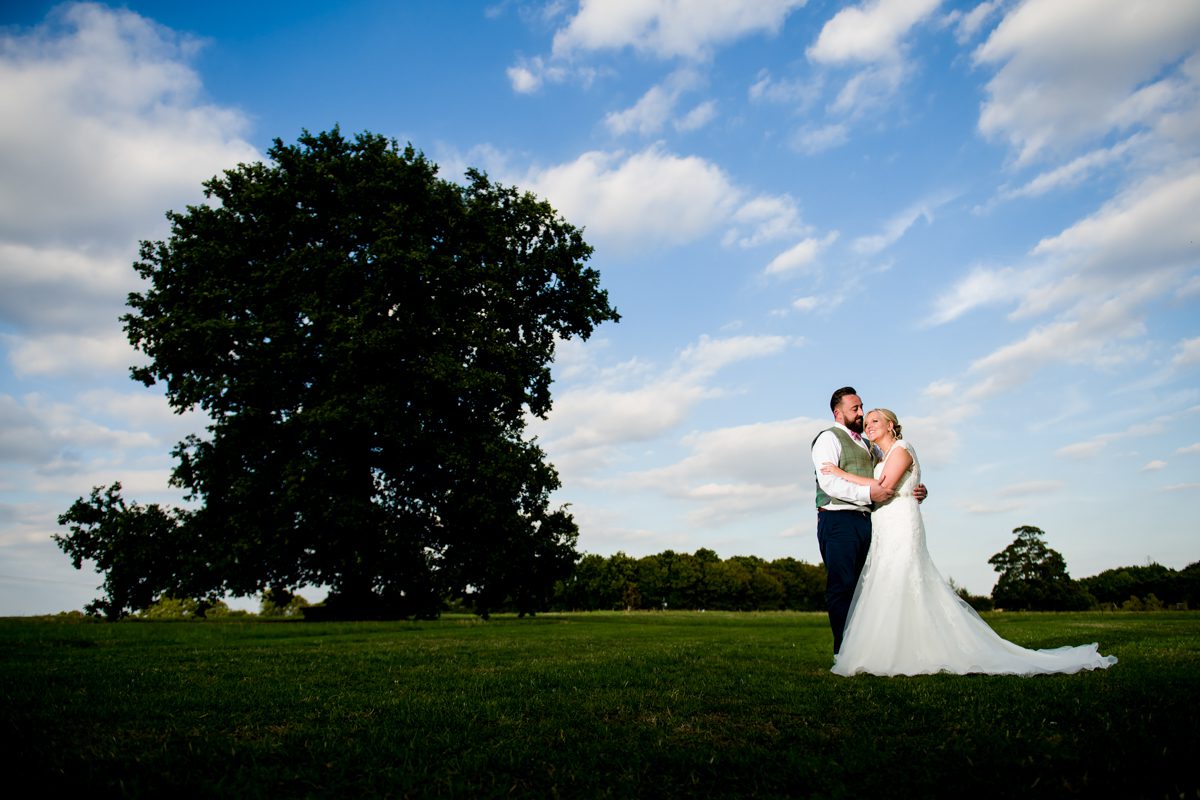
[984,216]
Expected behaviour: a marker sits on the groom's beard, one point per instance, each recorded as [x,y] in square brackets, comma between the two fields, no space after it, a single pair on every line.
[855,425]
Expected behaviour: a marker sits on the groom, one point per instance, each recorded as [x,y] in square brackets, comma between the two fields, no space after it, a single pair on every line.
[844,508]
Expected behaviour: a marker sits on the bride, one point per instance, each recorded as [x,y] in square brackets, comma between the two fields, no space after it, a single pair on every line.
[904,619]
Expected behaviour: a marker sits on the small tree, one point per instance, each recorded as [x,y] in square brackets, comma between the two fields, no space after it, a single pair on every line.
[1034,577]
[142,551]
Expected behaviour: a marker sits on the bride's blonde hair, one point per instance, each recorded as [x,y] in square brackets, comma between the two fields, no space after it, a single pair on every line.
[890,417]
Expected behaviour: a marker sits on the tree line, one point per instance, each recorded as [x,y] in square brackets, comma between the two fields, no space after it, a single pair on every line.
[700,580]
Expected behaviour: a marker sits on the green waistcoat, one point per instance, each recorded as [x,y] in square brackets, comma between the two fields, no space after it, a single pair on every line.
[853,459]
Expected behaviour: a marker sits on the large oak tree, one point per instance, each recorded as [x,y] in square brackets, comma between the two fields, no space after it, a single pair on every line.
[367,340]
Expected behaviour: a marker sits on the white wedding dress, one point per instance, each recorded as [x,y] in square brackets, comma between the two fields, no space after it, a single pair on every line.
[905,620]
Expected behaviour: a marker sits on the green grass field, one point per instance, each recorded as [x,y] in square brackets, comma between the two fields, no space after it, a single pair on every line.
[585,705]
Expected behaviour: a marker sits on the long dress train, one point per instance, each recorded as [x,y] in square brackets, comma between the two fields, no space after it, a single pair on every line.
[906,620]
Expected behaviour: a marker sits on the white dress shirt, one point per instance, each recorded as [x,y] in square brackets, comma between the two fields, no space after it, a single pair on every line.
[844,494]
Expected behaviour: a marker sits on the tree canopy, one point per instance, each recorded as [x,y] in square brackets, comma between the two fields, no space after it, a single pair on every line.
[1033,576]
[367,340]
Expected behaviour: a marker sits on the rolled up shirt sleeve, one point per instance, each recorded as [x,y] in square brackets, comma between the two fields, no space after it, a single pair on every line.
[826,448]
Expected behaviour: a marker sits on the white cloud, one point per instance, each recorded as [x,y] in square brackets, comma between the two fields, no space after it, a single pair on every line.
[638,402]
[525,78]
[870,89]
[648,115]
[1150,226]
[698,117]
[709,355]
[650,194]
[1190,449]
[1074,172]
[814,140]
[769,217]
[1097,339]
[1094,446]
[71,354]
[1069,72]
[763,466]
[1030,488]
[801,93]
[980,287]
[1154,466]
[1101,273]
[645,199]
[896,228]
[968,24]
[64,287]
[656,108]
[529,74]
[869,32]
[800,256]
[1188,354]
[104,128]
[940,390]
[668,28]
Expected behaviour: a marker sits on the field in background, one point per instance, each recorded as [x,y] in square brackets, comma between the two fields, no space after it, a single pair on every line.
[617,705]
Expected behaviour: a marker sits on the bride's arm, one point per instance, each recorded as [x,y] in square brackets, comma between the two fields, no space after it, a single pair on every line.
[893,471]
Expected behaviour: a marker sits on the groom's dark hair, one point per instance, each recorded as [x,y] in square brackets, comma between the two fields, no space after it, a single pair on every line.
[838,395]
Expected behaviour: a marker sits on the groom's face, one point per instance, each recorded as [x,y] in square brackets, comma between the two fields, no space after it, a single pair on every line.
[850,413]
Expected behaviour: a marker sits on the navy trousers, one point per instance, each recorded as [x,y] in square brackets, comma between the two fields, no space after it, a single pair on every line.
[844,538]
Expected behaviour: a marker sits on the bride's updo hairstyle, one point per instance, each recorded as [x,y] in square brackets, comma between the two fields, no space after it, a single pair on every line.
[890,417]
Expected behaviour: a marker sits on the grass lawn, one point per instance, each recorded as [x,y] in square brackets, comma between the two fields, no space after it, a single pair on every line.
[615,705]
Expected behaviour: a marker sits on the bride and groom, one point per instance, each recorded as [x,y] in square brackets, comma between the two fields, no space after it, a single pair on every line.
[890,610]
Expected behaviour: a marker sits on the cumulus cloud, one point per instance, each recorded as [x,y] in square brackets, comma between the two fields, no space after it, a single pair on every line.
[1075,171]
[979,287]
[104,126]
[667,28]
[869,32]
[698,117]
[967,24]
[729,471]
[1099,275]
[1054,87]
[656,108]
[648,198]
[638,402]
[1188,353]
[71,354]
[871,89]
[654,198]
[1154,466]
[1148,227]
[1102,338]
[103,129]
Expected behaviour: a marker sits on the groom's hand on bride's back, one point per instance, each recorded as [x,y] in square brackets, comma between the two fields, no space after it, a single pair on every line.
[920,492]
